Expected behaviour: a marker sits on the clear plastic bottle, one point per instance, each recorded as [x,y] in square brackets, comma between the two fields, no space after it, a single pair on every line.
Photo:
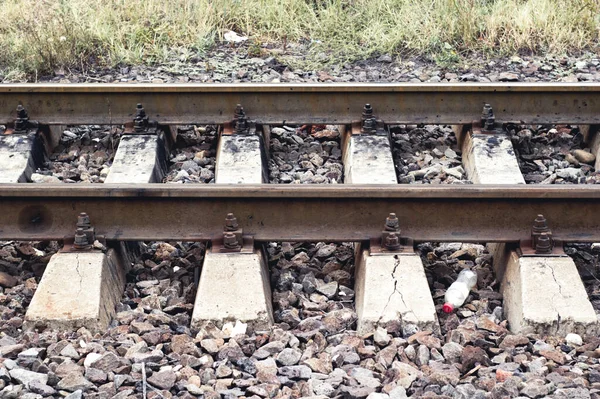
[458,292]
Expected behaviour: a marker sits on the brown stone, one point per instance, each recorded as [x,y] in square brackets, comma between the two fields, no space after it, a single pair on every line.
[554,355]
[485,323]
[429,341]
[141,327]
[326,134]
[163,379]
[10,351]
[322,364]
[419,334]
[502,375]
[472,356]
[512,341]
[7,281]
[107,363]
[442,374]
[183,343]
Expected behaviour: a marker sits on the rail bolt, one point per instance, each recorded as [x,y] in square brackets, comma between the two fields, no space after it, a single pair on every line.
[231,223]
[22,119]
[367,112]
[487,117]
[392,223]
[140,122]
[83,220]
[369,122]
[540,225]
[544,244]
[81,240]
[230,241]
[239,112]
[241,122]
[392,242]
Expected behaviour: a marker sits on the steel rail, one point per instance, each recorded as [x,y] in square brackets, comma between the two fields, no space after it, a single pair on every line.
[542,103]
[299,213]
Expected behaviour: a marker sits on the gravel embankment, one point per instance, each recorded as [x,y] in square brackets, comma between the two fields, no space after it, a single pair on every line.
[311,351]
[427,155]
[238,64]
[84,155]
[553,155]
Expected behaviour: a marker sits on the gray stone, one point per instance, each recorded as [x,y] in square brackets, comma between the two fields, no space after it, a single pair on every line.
[406,374]
[75,395]
[289,357]
[452,352]
[96,376]
[73,382]
[569,173]
[70,351]
[535,389]
[422,355]
[381,336]
[107,362]
[572,393]
[296,372]
[356,392]
[40,388]
[163,379]
[398,393]
[365,377]
[376,395]
[29,353]
[24,377]
[322,388]
[329,289]
[326,251]
[468,391]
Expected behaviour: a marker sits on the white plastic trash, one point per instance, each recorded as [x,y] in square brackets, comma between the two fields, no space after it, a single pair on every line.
[458,292]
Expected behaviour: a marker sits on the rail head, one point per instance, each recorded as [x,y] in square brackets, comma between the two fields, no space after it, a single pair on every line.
[298,213]
[172,104]
[249,191]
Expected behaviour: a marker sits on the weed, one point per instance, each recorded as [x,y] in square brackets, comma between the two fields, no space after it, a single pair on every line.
[40,36]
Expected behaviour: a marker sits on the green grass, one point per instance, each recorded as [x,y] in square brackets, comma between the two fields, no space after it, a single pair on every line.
[39,36]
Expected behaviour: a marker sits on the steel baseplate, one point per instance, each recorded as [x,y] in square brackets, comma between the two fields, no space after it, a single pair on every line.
[526,249]
[407,247]
[246,248]
[68,245]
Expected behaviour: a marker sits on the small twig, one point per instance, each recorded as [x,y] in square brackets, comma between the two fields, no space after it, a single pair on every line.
[144,384]
[157,391]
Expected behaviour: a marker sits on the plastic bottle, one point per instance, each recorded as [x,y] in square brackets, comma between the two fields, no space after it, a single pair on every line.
[458,292]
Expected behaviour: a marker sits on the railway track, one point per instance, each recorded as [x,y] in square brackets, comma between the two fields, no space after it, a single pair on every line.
[241,212]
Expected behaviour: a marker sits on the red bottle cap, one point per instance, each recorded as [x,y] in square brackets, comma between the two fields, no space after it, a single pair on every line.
[448,308]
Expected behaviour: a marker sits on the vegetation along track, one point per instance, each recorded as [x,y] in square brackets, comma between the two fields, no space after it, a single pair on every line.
[356,138]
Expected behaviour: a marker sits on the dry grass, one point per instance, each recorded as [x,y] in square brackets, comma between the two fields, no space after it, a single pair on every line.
[39,36]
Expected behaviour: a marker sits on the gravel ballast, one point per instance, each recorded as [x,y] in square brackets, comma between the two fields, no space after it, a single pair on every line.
[308,154]
[427,155]
[311,351]
[192,159]
[84,155]
[553,155]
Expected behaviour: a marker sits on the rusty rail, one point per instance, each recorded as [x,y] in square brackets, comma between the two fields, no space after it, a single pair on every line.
[302,103]
[299,213]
